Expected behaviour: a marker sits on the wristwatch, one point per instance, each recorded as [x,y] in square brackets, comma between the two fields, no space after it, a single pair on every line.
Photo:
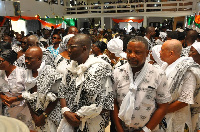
[45,114]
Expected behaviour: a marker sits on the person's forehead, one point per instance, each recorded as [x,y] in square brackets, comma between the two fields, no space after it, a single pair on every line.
[138,44]
[56,35]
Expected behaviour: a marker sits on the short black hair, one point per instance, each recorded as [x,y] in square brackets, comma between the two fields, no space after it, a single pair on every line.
[172,35]
[101,45]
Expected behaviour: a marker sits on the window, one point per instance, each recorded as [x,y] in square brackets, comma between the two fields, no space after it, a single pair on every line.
[62,2]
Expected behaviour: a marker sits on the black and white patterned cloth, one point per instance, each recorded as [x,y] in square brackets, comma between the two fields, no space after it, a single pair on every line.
[105,57]
[94,87]
[47,89]
[184,81]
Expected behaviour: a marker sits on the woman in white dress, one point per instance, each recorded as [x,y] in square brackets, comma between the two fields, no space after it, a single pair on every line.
[12,83]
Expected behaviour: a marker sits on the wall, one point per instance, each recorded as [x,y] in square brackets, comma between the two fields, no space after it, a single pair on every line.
[32,8]
[6,8]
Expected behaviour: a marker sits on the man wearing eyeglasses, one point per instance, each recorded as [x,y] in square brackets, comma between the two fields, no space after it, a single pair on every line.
[85,92]
[55,48]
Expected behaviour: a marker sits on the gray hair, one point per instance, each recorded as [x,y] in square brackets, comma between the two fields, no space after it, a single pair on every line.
[140,39]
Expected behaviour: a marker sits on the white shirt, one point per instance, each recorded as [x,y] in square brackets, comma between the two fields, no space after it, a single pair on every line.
[152,90]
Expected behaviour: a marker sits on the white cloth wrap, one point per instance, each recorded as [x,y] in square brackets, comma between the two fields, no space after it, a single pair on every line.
[127,106]
[88,112]
[196,45]
[3,82]
[45,99]
[171,71]
[156,54]
[66,38]
[78,71]
[115,46]
[64,126]
[28,96]
[64,109]
[30,81]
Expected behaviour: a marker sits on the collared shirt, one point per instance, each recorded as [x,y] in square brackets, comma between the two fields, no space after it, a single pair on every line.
[152,90]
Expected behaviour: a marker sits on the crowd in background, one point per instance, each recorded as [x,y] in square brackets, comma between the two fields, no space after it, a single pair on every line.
[70,80]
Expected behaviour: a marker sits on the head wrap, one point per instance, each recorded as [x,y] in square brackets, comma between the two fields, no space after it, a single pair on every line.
[115,46]
[9,55]
[196,45]
[156,54]
[67,37]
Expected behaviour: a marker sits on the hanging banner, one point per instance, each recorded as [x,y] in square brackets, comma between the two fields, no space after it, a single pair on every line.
[13,18]
[49,22]
[190,20]
[53,20]
[128,20]
[70,22]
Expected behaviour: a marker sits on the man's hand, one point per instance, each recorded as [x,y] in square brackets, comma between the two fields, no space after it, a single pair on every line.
[72,118]
[10,100]
[39,120]
[4,99]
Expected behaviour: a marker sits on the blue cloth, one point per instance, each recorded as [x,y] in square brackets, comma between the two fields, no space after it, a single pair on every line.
[53,51]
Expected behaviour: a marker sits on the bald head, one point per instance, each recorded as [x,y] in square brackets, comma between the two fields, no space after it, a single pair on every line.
[32,40]
[174,45]
[171,51]
[150,29]
[83,39]
[33,58]
[35,51]
[72,30]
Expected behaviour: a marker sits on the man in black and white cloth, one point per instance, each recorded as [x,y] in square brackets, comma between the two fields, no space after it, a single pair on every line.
[86,89]
[42,82]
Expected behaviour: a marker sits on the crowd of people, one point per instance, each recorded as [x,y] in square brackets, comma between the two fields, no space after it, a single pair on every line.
[70,81]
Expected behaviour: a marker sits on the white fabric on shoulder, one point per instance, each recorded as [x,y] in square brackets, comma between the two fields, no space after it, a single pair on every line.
[127,106]
[80,69]
[196,45]
[30,80]
[172,66]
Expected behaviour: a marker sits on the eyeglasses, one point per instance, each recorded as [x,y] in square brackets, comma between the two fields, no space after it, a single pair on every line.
[23,42]
[1,61]
[54,38]
[71,46]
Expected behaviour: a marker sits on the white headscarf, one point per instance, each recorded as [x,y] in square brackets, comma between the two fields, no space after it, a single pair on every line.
[115,46]
[67,37]
[196,45]
[156,54]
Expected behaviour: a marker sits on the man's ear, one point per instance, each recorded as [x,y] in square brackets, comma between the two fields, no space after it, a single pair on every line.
[171,53]
[84,48]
